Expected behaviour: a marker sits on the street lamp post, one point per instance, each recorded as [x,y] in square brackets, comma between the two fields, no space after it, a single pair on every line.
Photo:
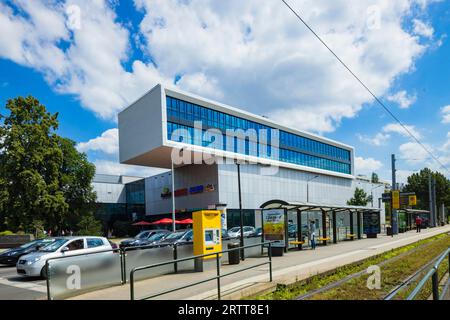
[307,187]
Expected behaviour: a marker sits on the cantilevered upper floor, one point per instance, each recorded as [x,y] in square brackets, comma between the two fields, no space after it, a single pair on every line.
[164,119]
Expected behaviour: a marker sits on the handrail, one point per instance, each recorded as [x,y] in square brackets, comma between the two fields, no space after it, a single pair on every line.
[217,277]
[47,266]
[433,273]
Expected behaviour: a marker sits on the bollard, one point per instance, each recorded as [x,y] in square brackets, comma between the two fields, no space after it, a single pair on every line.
[435,281]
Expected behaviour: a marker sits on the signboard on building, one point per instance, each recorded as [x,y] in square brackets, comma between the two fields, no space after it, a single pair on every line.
[274,226]
[371,223]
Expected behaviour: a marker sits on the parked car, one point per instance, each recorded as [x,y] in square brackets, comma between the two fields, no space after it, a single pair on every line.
[33,264]
[141,238]
[258,232]
[176,238]
[11,256]
[235,232]
[153,239]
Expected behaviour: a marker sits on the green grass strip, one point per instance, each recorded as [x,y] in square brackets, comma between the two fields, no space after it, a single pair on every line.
[356,288]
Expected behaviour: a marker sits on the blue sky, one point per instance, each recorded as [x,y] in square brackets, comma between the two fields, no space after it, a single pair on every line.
[88,59]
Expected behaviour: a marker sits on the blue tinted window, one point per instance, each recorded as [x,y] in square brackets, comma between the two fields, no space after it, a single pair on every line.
[177,109]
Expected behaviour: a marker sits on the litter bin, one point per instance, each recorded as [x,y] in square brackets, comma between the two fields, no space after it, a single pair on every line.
[277,251]
[389,231]
[233,256]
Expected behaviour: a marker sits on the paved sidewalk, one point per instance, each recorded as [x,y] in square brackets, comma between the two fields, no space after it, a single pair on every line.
[292,267]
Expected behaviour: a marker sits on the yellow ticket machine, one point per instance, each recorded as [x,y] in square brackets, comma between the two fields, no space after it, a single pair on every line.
[207,232]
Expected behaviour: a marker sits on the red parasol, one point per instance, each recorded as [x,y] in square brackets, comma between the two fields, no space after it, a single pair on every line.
[185,221]
[164,221]
[141,223]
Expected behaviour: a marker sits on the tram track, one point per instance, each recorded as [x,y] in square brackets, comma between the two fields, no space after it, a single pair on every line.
[362,272]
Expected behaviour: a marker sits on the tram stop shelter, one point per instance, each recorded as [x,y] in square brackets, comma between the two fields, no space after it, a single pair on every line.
[334,223]
[407,218]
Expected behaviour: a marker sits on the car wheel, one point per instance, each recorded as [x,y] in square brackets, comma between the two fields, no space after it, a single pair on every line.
[44,272]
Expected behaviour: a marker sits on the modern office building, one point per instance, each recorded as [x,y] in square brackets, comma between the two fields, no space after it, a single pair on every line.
[119,198]
[280,162]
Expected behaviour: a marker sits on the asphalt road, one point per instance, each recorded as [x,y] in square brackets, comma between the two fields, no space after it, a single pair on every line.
[15,287]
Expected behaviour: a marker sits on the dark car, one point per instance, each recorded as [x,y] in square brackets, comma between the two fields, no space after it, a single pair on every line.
[152,240]
[11,256]
[176,238]
[140,238]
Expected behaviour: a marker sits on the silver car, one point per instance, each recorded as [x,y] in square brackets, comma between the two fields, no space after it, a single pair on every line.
[33,264]
[235,232]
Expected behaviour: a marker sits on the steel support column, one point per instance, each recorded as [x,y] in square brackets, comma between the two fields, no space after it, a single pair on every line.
[299,228]
[358,221]
[351,223]
[324,226]
[334,227]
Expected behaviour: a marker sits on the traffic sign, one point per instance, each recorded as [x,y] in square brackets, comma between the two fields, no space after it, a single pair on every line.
[395,199]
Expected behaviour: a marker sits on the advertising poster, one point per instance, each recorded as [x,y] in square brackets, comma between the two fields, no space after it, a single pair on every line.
[274,226]
[371,223]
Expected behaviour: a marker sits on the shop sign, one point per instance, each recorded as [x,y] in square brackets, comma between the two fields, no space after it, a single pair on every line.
[181,192]
[274,226]
[166,193]
[196,189]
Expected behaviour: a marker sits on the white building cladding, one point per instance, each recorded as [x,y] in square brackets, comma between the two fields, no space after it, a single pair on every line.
[302,166]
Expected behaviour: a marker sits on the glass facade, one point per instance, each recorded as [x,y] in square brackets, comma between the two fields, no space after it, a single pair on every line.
[290,148]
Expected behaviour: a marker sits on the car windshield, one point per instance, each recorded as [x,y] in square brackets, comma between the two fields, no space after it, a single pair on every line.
[30,244]
[175,235]
[235,229]
[157,236]
[52,247]
[142,235]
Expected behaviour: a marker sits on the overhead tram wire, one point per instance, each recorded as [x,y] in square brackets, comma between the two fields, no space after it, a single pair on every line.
[367,88]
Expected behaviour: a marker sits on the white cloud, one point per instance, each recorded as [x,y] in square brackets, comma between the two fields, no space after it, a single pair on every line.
[397,128]
[445,114]
[423,29]
[378,140]
[243,53]
[403,99]
[366,165]
[413,153]
[107,142]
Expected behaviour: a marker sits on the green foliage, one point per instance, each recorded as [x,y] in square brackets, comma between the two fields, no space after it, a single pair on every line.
[123,228]
[89,226]
[360,198]
[375,178]
[418,183]
[6,233]
[42,176]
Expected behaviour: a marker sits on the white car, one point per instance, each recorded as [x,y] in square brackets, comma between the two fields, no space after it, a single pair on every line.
[235,232]
[33,264]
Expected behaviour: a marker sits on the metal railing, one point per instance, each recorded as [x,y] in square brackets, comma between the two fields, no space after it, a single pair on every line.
[217,277]
[48,267]
[434,275]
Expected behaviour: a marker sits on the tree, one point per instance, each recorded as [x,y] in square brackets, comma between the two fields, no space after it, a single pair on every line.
[375,178]
[419,183]
[42,175]
[360,198]
[89,226]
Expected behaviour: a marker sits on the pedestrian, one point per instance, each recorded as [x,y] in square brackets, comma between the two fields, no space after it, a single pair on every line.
[312,235]
[418,223]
